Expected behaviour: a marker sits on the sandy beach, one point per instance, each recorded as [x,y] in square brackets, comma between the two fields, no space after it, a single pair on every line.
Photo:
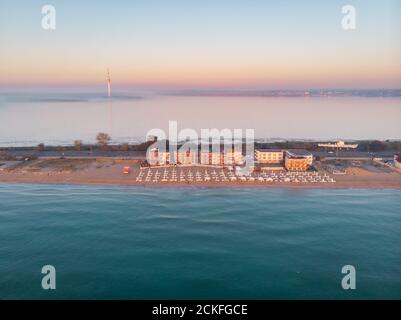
[110,172]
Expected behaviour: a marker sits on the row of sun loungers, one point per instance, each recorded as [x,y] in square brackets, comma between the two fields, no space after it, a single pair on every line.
[212,175]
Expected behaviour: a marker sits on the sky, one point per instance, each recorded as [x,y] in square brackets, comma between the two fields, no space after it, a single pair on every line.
[223,44]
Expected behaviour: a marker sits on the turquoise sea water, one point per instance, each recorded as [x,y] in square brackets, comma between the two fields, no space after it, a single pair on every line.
[139,243]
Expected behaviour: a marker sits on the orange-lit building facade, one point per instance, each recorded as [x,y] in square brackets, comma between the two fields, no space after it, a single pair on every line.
[298,160]
[269,156]
[156,157]
[221,158]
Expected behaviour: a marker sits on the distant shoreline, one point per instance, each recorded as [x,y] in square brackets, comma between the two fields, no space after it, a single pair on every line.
[307,93]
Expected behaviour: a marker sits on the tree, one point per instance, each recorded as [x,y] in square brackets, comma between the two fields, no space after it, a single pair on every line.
[41,147]
[103,140]
[78,145]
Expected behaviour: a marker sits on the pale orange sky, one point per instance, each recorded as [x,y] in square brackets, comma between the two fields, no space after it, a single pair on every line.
[236,46]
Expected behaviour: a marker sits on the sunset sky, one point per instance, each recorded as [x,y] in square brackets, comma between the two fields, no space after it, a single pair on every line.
[201,44]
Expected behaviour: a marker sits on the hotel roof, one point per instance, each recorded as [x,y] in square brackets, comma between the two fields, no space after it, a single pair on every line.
[269,150]
[299,152]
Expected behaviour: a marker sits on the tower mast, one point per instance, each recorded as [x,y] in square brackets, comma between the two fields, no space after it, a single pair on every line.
[108,84]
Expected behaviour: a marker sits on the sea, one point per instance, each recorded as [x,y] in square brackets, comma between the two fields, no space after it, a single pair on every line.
[198,243]
[30,118]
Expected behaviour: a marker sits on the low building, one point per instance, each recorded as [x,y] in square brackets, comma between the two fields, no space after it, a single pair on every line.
[298,160]
[269,156]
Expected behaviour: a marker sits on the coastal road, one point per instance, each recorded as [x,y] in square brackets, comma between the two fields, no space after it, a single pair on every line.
[388,155]
[141,155]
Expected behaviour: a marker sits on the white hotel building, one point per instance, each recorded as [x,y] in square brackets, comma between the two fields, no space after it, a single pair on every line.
[190,157]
